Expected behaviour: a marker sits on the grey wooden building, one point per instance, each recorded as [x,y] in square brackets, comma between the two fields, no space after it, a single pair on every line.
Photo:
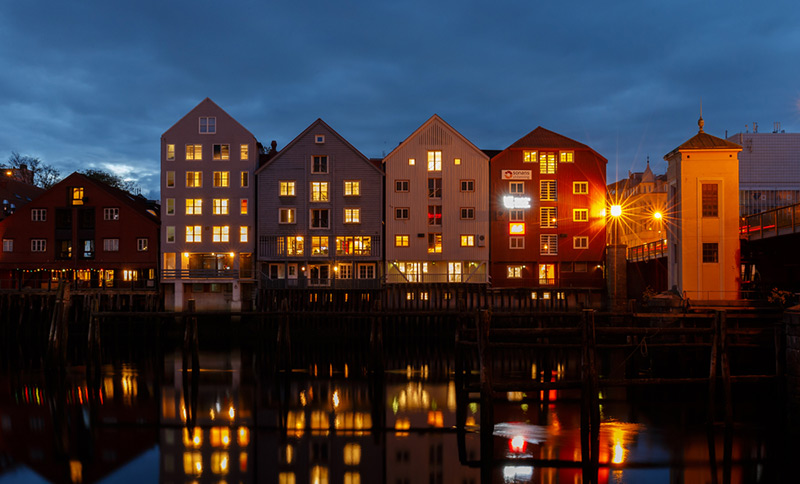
[320,204]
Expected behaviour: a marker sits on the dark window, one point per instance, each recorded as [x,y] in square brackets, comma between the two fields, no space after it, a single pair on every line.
[64,218]
[710,199]
[86,218]
[434,187]
[711,252]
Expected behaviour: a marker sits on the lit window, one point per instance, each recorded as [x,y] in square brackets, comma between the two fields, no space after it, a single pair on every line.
[529,157]
[194,233]
[220,462]
[434,243]
[457,161]
[220,233]
[244,233]
[170,179]
[286,189]
[194,152]
[580,242]
[401,213]
[111,245]
[547,274]
[194,179]
[434,161]
[39,215]
[77,195]
[286,478]
[38,245]
[243,206]
[129,275]
[516,228]
[319,245]
[294,246]
[434,215]
[319,191]
[710,252]
[467,213]
[547,163]
[580,214]
[412,161]
[319,219]
[352,454]
[401,186]
[208,125]
[548,217]
[142,244]
[467,241]
[319,164]
[221,179]
[548,244]
[516,215]
[467,185]
[244,179]
[345,271]
[352,188]
[401,240]
[516,187]
[547,190]
[580,188]
[354,245]
[170,152]
[221,152]
[244,152]
[514,272]
[566,156]
[516,242]
[352,215]
[286,215]
[194,206]
[220,206]
[434,187]
[8,245]
[710,194]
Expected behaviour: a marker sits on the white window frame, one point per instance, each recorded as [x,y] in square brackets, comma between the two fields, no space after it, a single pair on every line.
[548,244]
[516,242]
[291,215]
[38,245]
[111,213]
[8,245]
[580,242]
[111,245]
[313,163]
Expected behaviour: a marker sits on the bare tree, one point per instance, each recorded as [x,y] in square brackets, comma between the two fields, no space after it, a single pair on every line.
[44,175]
[115,181]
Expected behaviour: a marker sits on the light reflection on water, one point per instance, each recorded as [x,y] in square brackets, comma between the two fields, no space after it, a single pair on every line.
[224,416]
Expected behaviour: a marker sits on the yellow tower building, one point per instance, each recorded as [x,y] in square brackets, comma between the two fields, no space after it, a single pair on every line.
[703,180]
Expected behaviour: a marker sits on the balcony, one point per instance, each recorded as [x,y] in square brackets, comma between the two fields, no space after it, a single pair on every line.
[199,274]
[317,283]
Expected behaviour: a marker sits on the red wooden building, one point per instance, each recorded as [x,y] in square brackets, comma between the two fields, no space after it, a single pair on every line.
[83,231]
[547,206]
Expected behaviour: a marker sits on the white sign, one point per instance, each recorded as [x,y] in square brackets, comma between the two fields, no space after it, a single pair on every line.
[510,201]
[516,174]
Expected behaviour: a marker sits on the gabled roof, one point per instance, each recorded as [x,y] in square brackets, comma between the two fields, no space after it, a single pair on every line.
[432,120]
[205,105]
[542,138]
[137,203]
[704,141]
[312,126]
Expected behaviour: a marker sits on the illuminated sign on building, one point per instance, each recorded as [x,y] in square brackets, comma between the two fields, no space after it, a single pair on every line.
[516,174]
[510,201]
[517,228]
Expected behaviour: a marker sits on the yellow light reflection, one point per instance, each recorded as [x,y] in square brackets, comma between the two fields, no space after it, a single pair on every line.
[231,412]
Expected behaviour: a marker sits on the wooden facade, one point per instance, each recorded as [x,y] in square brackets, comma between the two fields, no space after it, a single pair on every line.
[320,215]
[437,208]
[548,196]
[84,231]
[207,196]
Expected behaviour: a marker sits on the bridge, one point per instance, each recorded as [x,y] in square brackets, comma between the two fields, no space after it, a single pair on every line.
[771,223]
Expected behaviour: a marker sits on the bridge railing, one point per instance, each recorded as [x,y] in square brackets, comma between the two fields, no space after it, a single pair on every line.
[770,223]
[648,251]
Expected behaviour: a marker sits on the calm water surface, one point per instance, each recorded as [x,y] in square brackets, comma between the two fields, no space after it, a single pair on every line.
[235,409]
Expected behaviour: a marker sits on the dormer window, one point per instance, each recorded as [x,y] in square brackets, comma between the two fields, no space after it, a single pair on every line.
[208,125]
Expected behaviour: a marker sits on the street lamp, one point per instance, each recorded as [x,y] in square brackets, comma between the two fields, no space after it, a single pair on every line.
[616,212]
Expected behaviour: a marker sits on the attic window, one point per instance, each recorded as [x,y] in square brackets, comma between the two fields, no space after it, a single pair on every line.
[208,125]
[319,139]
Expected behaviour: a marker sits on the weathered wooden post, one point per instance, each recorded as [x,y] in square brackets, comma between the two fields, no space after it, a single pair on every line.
[483,324]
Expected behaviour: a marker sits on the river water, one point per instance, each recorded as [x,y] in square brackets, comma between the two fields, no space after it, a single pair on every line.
[149,408]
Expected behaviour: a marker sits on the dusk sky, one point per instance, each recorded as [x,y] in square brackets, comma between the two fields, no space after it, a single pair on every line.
[95,84]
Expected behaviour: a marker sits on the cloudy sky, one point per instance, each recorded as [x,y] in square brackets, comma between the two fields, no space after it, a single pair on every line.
[95,83]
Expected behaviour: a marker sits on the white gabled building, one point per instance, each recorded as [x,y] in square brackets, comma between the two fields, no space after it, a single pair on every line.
[437,208]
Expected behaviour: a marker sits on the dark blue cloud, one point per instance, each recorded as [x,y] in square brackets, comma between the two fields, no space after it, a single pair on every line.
[93,83]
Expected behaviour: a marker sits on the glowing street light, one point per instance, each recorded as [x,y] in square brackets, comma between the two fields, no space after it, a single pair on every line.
[657,216]
[616,210]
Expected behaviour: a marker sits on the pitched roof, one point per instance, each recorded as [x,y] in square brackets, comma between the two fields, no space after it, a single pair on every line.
[419,131]
[704,141]
[206,105]
[305,132]
[542,138]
